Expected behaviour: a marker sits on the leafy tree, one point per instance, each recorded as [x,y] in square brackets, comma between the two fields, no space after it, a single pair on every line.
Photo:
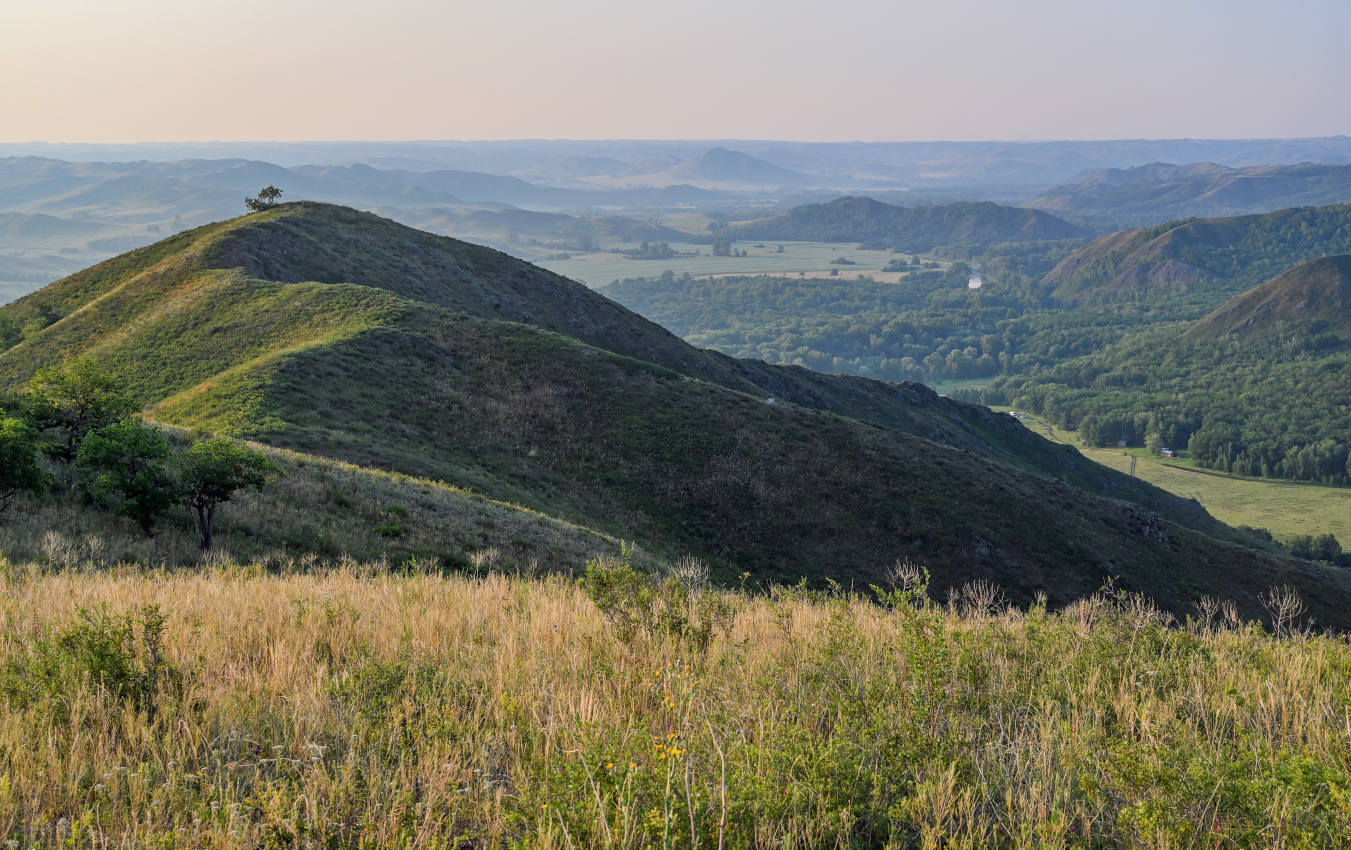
[19,469]
[267,198]
[212,472]
[127,464]
[78,396]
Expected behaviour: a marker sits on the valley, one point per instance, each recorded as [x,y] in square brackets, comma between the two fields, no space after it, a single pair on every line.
[622,426]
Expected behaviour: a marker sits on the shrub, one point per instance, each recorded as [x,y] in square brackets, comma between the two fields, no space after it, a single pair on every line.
[121,654]
[638,604]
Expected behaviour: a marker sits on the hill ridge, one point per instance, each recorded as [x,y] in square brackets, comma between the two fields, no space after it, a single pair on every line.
[862,219]
[1201,260]
[687,454]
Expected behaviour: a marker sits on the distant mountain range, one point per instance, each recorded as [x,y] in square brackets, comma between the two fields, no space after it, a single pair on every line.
[1149,194]
[875,224]
[348,336]
[199,190]
[1033,165]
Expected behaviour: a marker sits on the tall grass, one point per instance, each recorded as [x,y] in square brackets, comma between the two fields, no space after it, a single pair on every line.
[351,708]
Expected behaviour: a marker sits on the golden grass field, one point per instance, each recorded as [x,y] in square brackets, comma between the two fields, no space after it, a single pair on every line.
[350,708]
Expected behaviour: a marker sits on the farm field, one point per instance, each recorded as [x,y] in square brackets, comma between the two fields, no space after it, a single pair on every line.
[1286,508]
[601,268]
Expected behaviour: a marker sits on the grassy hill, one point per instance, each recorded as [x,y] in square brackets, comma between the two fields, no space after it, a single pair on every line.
[1149,194]
[1312,298]
[1197,264]
[339,334]
[910,229]
[319,511]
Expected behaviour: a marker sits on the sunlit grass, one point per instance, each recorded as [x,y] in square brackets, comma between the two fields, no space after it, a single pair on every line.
[357,709]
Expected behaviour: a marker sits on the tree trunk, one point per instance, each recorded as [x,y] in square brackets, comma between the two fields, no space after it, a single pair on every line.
[209,528]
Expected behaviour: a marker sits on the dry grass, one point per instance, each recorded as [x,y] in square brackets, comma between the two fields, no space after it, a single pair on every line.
[358,709]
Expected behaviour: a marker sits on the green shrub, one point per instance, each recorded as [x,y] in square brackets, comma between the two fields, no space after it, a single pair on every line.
[120,654]
[639,604]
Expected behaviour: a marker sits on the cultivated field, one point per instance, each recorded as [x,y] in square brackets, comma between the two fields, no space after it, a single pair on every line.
[808,258]
[230,708]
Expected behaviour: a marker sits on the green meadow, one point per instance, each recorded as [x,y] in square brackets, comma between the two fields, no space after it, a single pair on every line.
[1286,508]
[814,259]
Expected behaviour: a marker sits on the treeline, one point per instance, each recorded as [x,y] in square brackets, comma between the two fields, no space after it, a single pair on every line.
[72,433]
[1268,407]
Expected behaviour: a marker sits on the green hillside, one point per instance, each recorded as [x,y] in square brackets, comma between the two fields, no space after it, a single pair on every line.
[337,333]
[318,510]
[1194,265]
[1258,387]
[1312,298]
[910,229]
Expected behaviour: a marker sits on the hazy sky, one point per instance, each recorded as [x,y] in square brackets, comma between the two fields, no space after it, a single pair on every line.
[140,70]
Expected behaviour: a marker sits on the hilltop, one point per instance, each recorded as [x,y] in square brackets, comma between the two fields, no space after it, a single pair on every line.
[1312,298]
[720,165]
[873,223]
[1148,194]
[1198,262]
[340,334]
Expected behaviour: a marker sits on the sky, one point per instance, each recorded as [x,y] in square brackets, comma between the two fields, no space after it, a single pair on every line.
[865,70]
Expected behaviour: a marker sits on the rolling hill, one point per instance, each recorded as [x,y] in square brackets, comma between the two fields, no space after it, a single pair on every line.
[720,165]
[1312,298]
[1197,263]
[1149,194]
[875,224]
[337,333]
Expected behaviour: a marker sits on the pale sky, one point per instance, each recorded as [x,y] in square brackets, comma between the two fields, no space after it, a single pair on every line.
[189,70]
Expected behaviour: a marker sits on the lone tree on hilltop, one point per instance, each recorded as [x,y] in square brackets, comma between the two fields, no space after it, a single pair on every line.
[268,197]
